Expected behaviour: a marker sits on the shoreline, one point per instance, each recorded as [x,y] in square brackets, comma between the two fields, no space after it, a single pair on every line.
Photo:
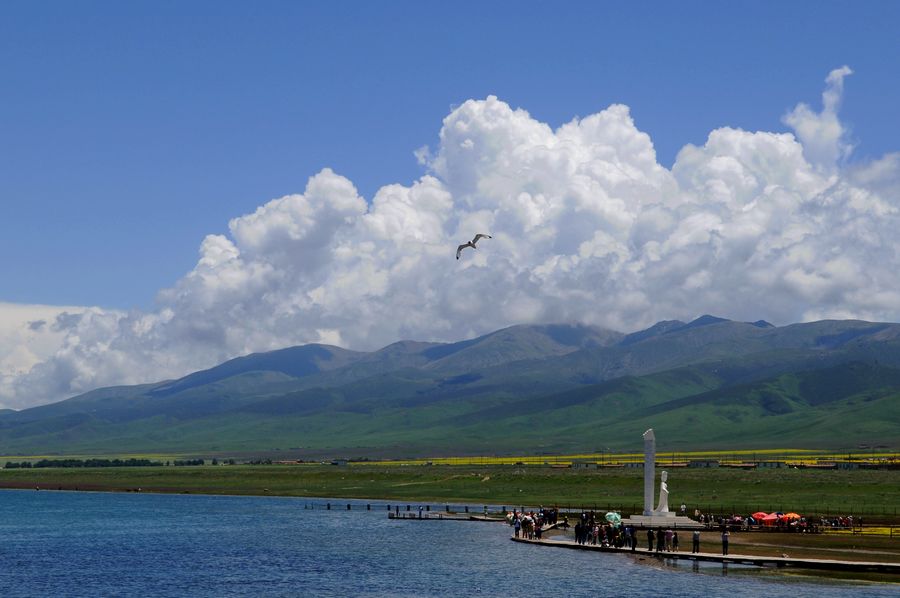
[338,502]
[824,570]
[892,568]
[835,493]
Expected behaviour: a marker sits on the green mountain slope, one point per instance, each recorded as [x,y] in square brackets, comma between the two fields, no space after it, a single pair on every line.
[294,362]
[707,383]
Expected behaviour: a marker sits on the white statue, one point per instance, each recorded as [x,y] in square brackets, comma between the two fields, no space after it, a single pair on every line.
[663,494]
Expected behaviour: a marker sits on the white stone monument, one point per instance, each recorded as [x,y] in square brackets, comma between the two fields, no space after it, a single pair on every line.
[660,516]
[649,467]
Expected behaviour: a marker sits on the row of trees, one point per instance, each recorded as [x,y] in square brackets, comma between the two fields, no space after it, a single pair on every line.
[83,463]
[113,463]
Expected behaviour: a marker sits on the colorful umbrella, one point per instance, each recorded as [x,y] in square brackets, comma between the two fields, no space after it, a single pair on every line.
[770,519]
[790,516]
[759,515]
[614,518]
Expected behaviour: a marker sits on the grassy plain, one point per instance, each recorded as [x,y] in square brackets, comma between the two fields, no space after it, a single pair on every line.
[874,494]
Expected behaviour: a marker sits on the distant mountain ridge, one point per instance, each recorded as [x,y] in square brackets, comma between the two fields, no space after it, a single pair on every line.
[532,388]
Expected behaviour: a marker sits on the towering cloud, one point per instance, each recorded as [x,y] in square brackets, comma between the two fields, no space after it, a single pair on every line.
[587,226]
[822,134]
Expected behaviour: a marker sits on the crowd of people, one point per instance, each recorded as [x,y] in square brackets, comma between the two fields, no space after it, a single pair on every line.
[590,531]
[596,529]
[530,524]
[840,522]
[778,522]
[607,531]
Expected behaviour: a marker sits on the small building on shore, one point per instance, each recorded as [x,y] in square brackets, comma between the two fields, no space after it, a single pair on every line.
[584,465]
[846,465]
[770,464]
[703,463]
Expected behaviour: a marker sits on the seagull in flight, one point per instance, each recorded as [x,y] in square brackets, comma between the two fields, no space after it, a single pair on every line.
[471,243]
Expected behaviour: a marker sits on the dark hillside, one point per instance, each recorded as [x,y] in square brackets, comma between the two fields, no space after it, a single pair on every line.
[708,383]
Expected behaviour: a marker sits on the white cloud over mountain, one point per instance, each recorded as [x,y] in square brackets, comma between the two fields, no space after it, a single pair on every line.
[587,226]
[822,135]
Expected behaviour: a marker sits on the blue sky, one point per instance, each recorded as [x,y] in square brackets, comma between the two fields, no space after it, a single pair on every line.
[130,130]
[185,182]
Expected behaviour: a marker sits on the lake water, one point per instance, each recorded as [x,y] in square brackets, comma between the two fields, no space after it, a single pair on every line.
[98,544]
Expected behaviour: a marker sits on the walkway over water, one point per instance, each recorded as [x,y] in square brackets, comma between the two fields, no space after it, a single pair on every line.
[738,559]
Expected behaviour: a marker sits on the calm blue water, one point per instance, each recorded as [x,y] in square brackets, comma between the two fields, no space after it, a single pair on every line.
[97,544]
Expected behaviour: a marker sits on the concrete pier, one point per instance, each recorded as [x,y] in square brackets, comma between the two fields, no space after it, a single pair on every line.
[736,559]
[444,517]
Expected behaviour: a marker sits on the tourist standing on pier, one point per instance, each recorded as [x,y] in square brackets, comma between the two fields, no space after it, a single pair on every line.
[696,547]
[650,539]
[675,540]
[725,535]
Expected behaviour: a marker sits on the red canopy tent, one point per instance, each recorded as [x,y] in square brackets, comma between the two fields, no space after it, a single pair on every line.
[770,519]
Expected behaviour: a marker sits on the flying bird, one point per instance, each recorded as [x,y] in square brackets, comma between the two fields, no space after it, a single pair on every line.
[471,243]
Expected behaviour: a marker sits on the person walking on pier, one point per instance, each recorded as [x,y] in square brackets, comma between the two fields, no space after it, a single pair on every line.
[675,540]
[660,539]
[725,535]
[696,546]
[650,539]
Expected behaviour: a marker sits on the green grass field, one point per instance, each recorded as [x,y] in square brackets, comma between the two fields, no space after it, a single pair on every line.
[872,494]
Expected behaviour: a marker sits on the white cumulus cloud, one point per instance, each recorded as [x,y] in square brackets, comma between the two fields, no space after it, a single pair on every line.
[587,226]
[822,134]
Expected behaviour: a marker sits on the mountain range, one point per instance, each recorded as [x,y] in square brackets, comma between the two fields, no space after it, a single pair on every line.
[533,389]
